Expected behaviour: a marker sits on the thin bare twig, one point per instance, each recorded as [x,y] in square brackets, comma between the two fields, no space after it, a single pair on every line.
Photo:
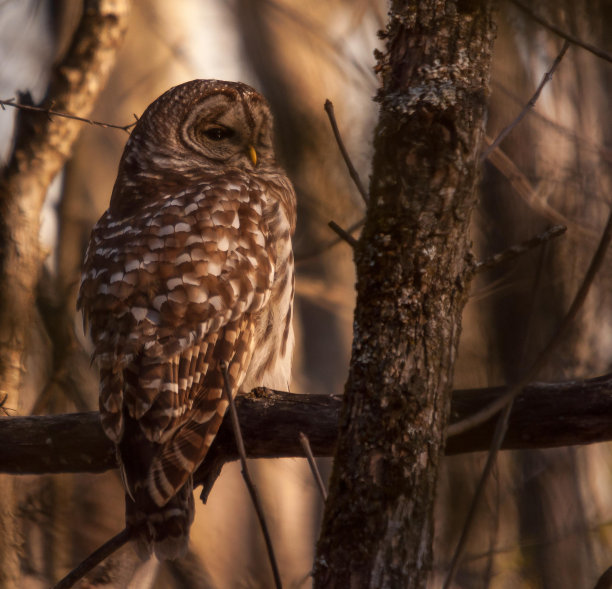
[602,149]
[561,33]
[329,109]
[533,196]
[500,432]
[317,251]
[547,77]
[94,559]
[49,112]
[5,410]
[488,412]
[501,429]
[247,477]
[521,248]
[342,233]
[313,465]
[577,303]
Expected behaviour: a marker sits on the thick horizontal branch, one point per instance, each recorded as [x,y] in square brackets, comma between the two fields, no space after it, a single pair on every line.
[545,415]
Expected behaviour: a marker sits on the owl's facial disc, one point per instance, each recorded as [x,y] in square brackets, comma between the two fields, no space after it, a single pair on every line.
[222,129]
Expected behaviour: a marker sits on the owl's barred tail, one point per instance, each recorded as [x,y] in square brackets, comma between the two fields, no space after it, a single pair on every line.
[163,531]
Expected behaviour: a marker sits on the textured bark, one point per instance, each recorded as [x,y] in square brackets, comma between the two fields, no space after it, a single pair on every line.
[545,415]
[42,146]
[413,269]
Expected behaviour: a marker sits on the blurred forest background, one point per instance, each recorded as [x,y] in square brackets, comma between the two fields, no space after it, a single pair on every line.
[546,521]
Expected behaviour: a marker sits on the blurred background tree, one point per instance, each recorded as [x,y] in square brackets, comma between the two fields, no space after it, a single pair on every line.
[545,518]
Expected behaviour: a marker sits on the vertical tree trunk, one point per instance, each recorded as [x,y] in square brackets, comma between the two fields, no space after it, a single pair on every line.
[413,268]
[42,145]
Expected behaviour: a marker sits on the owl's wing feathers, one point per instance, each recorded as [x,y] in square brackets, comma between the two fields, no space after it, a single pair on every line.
[169,291]
[183,452]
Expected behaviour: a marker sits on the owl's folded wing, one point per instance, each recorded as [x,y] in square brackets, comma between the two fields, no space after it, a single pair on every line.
[159,287]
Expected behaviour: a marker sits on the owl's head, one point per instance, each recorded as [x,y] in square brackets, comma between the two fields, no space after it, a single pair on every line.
[203,124]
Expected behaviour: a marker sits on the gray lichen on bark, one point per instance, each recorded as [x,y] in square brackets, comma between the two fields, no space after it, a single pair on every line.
[413,267]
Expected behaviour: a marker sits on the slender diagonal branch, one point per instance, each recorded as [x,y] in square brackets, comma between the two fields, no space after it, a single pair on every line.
[342,233]
[561,33]
[530,104]
[501,429]
[517,250]
[317,251]
[53,113]
[313,465]
[329,109]
[94,559]
[544,356]
[247,477]
[498,438]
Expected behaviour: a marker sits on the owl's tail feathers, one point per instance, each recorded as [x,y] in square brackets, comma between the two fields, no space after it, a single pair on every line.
[162,530]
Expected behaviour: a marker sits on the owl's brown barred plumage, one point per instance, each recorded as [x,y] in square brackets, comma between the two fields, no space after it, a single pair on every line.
[191,265]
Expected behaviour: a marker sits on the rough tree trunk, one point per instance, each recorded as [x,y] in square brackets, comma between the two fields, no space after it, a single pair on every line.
[413,269]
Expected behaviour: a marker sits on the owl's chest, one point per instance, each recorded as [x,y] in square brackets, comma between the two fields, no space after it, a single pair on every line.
[270,365]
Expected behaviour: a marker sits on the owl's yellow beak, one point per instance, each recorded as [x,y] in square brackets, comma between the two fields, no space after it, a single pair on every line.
[252,154]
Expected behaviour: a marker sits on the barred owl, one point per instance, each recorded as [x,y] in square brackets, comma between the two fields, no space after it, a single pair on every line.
[191,266]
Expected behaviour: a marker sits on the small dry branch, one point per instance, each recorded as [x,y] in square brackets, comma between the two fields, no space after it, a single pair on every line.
[342,233]
[530,104]
[53,113]
[313,465]
[561,33]
[329,109]
[246,475]
[94,559]
[517,250]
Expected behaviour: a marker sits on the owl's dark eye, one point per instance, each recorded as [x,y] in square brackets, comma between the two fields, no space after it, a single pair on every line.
[218,133]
